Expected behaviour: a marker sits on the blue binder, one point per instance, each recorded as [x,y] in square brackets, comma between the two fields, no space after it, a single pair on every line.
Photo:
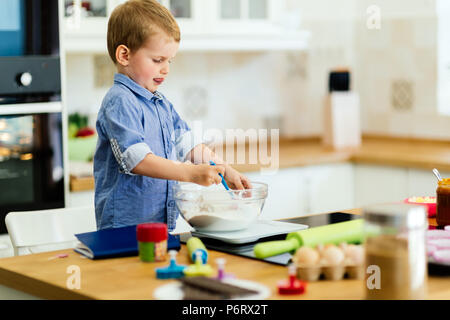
[115,242]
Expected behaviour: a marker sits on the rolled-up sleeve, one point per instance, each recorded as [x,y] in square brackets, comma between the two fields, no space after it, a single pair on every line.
[185,143]
[185,139]
[123,126]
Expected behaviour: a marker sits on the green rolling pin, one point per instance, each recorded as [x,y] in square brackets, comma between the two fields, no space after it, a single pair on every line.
[348,231]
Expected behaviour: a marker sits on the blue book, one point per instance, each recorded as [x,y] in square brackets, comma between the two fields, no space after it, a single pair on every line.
[115,242]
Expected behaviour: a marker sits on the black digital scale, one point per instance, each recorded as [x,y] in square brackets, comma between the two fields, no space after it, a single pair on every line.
[245,249]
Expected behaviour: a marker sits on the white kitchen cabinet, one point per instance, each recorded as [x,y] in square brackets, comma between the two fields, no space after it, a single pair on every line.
[287,193]
[300,191]
[253,17]
[206,25]
[245,25]
[188,14]
[81,31]
[380,184]
[423,183]
[331,187]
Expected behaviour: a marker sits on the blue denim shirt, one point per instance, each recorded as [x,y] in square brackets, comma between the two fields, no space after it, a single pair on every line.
[133,122]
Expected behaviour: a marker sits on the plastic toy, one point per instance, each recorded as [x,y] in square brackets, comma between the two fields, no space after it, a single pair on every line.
[195,245]
[198,269]
[221,270]
[292,285]
[173,271]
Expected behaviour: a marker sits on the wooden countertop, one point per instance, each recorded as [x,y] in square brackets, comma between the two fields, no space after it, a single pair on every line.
[45,276]
[413,153]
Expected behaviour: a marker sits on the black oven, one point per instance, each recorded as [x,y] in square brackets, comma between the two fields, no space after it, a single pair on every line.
[31,121]
[31,163]
[29,51]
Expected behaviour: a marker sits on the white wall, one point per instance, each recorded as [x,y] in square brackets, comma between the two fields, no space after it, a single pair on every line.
[239,90]
[403,49]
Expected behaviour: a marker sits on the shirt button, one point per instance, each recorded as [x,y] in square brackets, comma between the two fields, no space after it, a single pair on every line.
[171,203]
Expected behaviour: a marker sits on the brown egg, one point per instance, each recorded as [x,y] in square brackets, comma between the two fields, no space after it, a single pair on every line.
[320,248]
[307,256]
[333,256]
[355,254]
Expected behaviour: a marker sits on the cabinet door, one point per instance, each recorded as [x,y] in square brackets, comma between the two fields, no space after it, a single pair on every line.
[331,187]
[423,183]
[86,18]
[245,16]
[189,14]
[287,193]
[89,9]
[380,184]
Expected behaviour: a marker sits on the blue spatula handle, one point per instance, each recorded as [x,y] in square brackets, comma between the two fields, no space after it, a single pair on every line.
[223,179]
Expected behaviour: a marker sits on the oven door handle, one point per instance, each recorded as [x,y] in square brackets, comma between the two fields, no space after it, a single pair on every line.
[31,108]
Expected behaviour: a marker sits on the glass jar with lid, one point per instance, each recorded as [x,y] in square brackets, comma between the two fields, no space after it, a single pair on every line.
[395,246]
[443,202]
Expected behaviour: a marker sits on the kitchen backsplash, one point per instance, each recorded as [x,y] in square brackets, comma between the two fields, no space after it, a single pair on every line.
[396,72]
[223,90]
[393,70]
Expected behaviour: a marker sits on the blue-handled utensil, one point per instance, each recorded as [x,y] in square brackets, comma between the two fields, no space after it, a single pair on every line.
[233,196]
[223,179]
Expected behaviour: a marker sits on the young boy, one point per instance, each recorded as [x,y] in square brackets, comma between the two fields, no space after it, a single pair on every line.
[140,134]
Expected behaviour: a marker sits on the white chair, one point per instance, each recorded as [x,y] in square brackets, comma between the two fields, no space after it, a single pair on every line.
[48,230]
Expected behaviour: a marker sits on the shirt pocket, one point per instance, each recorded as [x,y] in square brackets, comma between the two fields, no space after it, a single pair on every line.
[128,208]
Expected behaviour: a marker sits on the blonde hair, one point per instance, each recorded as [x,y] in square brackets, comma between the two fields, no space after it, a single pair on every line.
[134,21]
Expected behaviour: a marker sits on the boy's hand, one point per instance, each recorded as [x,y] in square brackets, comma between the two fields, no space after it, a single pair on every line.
[205,174]
[236,180]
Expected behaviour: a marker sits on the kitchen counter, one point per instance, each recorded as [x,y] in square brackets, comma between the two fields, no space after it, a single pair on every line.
[45,276]
[388,151]
[412,153]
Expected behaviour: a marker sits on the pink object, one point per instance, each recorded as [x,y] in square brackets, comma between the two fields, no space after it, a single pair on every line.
[438,234]
[447,228]
[62,255]
[440,243]
[442,255]
[221,275]
[429,202]
[431,249]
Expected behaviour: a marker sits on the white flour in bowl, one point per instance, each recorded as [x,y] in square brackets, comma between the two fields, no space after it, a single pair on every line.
[210,216]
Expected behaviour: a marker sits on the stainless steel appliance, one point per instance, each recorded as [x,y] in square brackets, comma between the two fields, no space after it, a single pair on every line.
[31,152]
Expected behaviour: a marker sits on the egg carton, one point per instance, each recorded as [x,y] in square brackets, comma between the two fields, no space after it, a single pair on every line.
[330,262]
[314,273]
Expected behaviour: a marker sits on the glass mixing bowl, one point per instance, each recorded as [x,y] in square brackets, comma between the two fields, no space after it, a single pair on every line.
[215,209]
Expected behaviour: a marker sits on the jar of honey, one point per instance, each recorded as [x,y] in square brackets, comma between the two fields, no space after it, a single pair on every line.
[443,202]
